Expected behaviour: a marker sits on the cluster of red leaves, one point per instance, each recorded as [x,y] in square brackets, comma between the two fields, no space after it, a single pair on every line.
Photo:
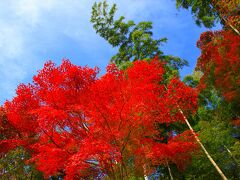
[9,135]
[236,122]
[230,11]
[77,125]
[219,61]
[175,150]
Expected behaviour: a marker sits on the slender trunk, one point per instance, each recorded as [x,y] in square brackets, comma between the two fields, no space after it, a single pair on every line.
[169,171]
[203,148]
[145,171]
[200,143]
[125,169]
[145,177]
[31,175]
[112,174]
[234,29]
[224,19]
[121,172]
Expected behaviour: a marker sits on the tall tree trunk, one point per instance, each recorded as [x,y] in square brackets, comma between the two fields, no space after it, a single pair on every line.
[144,172]
[231,26]
[202,146]
[145,177]
[169,171]
[200,143]
[227,23]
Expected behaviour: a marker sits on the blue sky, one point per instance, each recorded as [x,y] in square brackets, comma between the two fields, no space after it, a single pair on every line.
[32,32]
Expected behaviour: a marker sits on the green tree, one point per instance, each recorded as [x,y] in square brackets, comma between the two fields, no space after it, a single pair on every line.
[214,125]
[135,41]
[202,10]
[13,166]
[193,80]
[215,131]
[210,12]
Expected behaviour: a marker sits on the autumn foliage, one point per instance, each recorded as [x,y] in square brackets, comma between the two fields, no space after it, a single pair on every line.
[219,61]
[229,11]
[79,125]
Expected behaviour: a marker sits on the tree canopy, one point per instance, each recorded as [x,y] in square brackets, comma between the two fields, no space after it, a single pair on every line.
[77,125]
[130,123]
[211,12]
[135,41]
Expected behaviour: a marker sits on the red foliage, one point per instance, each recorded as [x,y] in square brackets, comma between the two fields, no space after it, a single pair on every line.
[236,122]
[79,125]
[219,61]
[176,150]
[9,135]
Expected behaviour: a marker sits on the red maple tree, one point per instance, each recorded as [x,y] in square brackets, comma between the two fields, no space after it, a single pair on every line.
[219,61]
[77,125]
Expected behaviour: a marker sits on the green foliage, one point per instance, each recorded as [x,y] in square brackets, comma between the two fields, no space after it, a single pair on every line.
[193,80]
[236,153]
[213,124]
[202,11]
[135,41]
[13,166]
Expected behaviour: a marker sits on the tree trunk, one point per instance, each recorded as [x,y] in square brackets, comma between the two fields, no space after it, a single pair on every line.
[203,148]
[224,19]
[144,172]
[234,29]
[169,171]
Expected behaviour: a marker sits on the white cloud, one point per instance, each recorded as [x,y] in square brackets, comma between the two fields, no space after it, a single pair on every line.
[19,20]
[11,42]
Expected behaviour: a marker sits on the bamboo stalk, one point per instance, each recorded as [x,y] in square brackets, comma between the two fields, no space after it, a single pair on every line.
[145,171]
[169,171]
[202,146]
[234,29]
[200,143]
[227,23]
